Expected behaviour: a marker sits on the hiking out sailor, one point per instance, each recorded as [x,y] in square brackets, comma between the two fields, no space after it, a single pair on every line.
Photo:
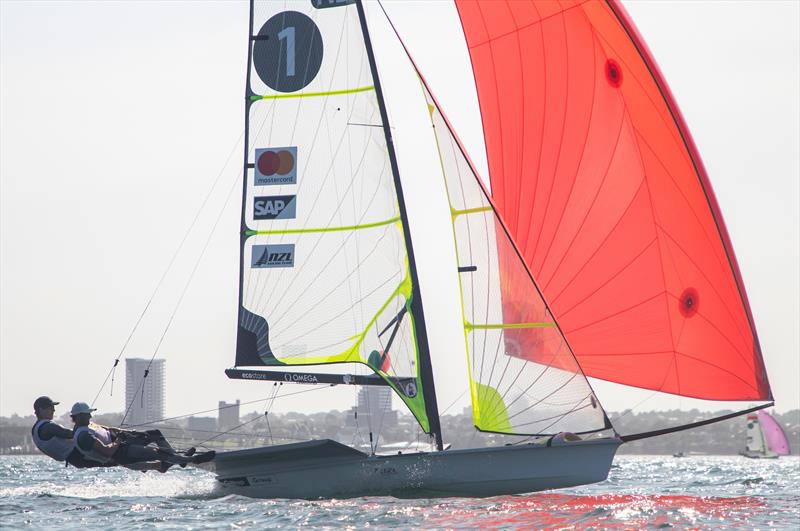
[55,440]
[113,446]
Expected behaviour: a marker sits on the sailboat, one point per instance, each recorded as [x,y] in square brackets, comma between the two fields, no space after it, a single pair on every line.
[765,437]
[568,268]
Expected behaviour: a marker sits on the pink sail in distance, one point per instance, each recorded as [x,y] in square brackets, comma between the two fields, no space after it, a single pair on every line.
[773,434]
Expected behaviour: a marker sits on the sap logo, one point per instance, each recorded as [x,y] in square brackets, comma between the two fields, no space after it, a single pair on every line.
[265,256]
[274,207]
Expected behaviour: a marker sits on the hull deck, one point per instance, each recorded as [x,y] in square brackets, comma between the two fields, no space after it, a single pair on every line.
[327,469]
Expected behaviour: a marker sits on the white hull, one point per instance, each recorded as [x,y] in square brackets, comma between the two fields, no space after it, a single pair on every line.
[326,469]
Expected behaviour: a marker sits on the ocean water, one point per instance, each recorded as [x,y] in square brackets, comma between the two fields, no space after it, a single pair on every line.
[641,492]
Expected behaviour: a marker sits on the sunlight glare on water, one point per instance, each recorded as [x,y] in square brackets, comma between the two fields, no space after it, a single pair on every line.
[641,492]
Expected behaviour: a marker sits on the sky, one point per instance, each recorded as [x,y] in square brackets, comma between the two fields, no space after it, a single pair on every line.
[118,120]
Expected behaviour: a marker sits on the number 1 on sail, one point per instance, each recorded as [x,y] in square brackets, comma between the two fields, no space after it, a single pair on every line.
[288,34]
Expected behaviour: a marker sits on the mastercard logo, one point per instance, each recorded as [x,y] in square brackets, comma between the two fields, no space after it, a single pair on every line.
[276,162]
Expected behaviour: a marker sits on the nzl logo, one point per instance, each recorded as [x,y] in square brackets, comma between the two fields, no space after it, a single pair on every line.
[275,207]
[265,256]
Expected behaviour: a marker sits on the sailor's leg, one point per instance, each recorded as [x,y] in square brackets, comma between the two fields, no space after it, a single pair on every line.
[157,437]
[134,453]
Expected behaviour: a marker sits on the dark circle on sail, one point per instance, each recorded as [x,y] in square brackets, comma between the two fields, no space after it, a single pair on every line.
[287,53]
[613,73]
[688,302]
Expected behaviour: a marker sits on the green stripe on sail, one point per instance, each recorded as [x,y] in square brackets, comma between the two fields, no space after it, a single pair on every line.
[455,213]
[352,354]
[324,229]
[256,97]
[506,326]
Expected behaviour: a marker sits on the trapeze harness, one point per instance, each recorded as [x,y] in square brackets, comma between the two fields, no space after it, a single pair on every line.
[55,447]
[99,433]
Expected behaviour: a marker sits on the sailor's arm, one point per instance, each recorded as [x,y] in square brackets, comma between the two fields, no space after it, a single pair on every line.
[48,430]
[87,442]
[116,432]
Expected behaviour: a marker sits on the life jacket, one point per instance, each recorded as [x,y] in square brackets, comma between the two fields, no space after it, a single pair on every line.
[55,447]
[99,433]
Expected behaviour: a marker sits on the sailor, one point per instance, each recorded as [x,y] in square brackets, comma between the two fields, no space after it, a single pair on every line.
[112,446]
[53,439]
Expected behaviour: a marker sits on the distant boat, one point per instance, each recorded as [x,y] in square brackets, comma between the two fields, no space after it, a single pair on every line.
[765,437]
[679,454]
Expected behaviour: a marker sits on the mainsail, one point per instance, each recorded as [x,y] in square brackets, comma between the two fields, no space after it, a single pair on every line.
[602,189]
[327,270]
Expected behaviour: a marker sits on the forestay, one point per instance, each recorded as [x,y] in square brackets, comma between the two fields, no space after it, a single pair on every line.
[325,273]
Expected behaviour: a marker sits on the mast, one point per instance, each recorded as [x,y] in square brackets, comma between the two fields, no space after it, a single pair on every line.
[246,164]
[425,368]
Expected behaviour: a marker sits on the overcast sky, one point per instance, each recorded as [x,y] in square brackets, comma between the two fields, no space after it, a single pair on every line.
[116,118]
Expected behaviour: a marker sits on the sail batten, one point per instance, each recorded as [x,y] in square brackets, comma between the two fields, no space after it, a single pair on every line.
[339,92]
[325,229]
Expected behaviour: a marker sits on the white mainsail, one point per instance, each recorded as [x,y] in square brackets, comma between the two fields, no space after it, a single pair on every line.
[326,268]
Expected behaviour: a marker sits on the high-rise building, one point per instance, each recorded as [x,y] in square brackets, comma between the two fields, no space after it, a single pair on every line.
[145,399]
[375,407]
[228,416]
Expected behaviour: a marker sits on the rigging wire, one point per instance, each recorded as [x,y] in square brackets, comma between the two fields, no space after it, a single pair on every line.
[459,397]
[111,371]
[165,419]
[245,423]
[258,417]
[183,294]
[276,387]
[221,433]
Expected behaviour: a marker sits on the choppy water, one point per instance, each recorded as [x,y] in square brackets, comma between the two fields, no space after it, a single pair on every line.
[641,492]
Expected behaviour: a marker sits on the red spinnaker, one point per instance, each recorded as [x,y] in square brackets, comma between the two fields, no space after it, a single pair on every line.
[596,176]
